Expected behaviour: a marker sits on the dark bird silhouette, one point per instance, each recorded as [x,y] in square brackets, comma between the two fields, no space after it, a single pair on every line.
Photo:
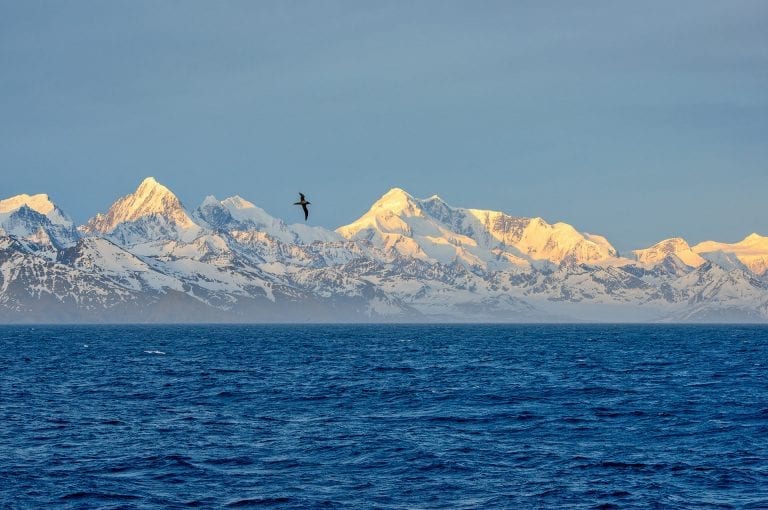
[303,203]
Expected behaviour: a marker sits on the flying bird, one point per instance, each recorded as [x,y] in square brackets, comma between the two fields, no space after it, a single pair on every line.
[303,203]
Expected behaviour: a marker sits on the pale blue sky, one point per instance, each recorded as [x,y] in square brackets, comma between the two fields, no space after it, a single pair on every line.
[635,120]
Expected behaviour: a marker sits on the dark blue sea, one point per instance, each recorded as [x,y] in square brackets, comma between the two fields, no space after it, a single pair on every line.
[384,416]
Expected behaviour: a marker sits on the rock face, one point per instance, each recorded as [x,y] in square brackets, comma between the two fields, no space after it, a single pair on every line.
[148,259]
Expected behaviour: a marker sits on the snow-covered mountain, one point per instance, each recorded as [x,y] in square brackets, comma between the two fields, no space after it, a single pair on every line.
[37,219]
[237,214]
[151,213]
[433,231]
[752,251]
[675,246]
[148,258]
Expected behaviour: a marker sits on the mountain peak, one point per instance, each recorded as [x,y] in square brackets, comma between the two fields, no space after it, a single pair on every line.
[675,243]
[40,203]
[210,200]
[397,201]
[752,252]
[676,246]
[396,192]
[150,199]
[37,218]
[238,202]
[435,198]
[753,238]
[752,242]
[243,219]
[385,216]
[432,229]
[150,186]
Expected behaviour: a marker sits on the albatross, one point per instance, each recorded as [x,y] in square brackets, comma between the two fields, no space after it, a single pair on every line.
[303,203]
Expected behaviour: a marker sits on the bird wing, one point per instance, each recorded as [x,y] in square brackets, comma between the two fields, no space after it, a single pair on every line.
[306,211]
[302,196]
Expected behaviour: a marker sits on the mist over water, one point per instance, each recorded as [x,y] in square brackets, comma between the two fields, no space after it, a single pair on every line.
[388,416]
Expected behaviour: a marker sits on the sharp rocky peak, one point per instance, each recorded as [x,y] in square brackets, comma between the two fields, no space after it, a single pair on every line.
[150,199]
[153,196]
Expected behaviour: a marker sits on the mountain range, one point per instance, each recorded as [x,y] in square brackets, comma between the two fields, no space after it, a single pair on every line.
[151,259]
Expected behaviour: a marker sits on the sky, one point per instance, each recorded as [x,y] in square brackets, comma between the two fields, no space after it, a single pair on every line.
[638,121]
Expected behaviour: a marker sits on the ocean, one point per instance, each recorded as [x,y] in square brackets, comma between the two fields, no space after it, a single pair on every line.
[384,416]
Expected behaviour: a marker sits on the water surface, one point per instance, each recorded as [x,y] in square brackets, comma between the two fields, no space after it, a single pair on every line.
[384,416]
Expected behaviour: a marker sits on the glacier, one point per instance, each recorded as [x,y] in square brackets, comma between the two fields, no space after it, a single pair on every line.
[149,258]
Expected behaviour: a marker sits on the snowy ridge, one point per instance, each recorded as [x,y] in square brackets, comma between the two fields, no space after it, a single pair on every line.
[405,259]
[752,251]
[236,213]
[434,231]
[675,246]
